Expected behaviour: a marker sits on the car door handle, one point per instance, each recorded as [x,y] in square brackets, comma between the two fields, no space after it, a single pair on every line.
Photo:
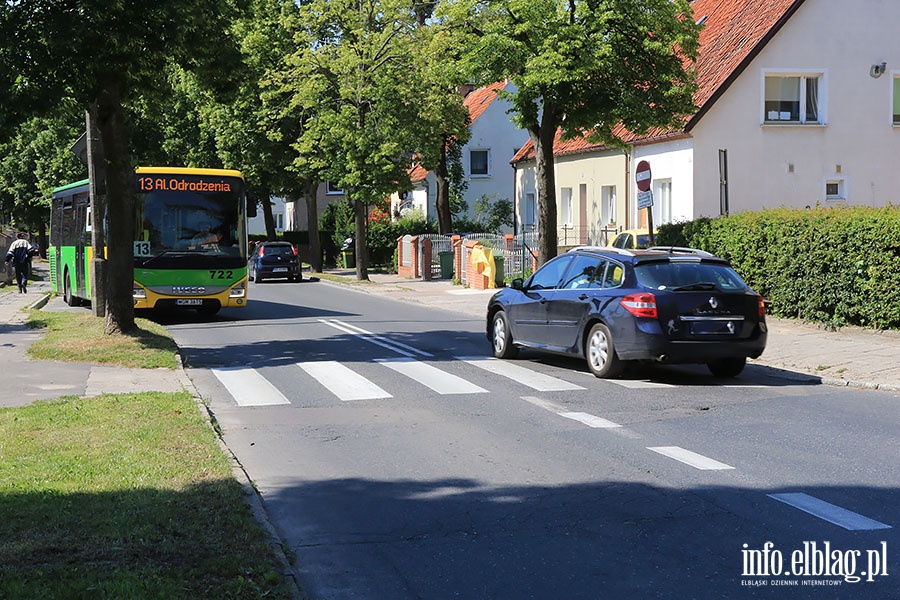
[543,301]
[583,297]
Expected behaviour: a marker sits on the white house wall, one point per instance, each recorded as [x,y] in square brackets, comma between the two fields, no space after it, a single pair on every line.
[789,165]
[670,162]
[594,170]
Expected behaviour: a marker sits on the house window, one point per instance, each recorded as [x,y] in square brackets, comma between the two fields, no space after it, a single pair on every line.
[332,189]
[895,101]
[565,201]
[834,190]
[479,163]
[608,206]
[279,220]
[662,202]
[529,223]
[797,99]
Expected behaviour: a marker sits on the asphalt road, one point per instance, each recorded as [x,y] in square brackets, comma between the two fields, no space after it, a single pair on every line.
[397,461]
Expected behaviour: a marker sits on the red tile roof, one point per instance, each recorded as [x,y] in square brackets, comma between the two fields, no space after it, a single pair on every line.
[734,32]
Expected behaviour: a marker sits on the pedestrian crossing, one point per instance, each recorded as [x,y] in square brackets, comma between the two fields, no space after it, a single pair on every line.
[248,387]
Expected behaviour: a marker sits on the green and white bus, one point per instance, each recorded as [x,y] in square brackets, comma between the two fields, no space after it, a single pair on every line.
[190,247]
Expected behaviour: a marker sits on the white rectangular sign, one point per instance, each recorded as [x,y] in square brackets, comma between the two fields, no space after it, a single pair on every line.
[644,200]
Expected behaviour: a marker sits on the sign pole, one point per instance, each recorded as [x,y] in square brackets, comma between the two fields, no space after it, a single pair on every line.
[643,178]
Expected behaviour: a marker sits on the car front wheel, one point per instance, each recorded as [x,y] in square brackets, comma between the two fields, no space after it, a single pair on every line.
[727,367]
[501,337]
[601,353]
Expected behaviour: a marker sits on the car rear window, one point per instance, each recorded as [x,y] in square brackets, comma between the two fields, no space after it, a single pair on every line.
[675,275]
[277,251]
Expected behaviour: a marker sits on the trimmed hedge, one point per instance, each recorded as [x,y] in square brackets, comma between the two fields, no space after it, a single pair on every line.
[838,266]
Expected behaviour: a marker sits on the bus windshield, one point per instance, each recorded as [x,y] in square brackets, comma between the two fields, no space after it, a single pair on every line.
[188,221]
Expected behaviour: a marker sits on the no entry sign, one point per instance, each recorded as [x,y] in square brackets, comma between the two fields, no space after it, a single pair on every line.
[642,176]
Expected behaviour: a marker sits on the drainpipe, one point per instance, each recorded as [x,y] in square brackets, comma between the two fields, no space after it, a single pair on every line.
[628,161]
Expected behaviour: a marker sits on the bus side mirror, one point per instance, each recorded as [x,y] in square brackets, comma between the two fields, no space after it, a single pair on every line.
[251,208]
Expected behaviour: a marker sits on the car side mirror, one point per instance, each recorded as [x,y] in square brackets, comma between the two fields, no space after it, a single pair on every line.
[517,283]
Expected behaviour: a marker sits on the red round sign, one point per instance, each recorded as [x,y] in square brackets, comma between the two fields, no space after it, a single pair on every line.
[642,175]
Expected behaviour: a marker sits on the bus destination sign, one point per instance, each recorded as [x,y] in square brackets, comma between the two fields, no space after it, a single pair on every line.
[181,184]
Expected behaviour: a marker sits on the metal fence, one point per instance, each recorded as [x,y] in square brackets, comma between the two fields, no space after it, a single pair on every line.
[517,258]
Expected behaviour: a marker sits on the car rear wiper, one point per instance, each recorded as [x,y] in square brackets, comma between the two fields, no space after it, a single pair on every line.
[696,287]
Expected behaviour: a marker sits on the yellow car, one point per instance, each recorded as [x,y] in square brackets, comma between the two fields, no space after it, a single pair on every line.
[631,239]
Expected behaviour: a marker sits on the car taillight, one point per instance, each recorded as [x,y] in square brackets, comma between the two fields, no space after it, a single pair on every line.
[294,248]
[640,305]
[762,306]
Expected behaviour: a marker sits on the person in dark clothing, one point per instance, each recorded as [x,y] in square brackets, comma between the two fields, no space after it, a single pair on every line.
[20,253]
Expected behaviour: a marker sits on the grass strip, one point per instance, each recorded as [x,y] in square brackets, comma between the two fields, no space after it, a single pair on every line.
[127,497]
[73,337]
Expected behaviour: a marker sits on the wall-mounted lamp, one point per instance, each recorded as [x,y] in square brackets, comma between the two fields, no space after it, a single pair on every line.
[877,70]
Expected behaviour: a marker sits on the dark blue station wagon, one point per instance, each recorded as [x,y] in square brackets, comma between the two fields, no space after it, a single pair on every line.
[612,306]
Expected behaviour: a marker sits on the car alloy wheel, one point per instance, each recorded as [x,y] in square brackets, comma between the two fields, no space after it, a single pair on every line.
[601,354]
[502,338]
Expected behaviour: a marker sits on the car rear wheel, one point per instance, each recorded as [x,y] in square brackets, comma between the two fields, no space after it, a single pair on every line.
[727,367]
[68,296]
[501,337]
[601,353]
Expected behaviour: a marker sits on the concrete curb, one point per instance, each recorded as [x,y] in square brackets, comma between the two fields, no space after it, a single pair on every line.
[252,497]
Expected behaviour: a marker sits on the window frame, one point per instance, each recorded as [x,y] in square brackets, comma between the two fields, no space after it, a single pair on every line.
[895,98]
[567,207]
[820,75]
[330,190]
[487,163]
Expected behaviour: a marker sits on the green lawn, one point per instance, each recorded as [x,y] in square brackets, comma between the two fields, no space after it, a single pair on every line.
[125,496]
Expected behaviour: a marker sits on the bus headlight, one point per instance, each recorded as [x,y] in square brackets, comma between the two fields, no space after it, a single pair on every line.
[139,292]
[238,291]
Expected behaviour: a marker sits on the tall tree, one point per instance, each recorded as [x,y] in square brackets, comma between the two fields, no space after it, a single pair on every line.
[103,53]
[352,74]
[582,66]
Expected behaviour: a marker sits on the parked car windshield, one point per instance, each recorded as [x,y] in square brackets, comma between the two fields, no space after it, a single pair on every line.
[688,276]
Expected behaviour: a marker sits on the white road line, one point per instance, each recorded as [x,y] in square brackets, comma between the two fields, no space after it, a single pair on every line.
[249,388]
[545,404]
[829,512]
[343,382]
[519,374]
[398,347]
[589,420]
[639,385]
[698,461]
[432,377]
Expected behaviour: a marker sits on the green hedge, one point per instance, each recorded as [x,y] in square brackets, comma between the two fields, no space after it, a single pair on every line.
[838,266]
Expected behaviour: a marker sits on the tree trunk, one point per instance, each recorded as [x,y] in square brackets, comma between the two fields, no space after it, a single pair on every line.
[361,247]
[310,189]
[542,138]
[120,210]
[442,202]
[268,217]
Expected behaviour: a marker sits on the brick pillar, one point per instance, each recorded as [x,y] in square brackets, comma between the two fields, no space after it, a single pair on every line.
[427,254]
[475,278]
[456,242]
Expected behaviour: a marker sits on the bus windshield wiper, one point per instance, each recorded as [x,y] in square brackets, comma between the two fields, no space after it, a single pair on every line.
[170,253]
[696,287]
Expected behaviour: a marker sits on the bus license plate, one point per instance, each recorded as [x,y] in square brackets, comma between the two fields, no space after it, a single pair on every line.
[189,302]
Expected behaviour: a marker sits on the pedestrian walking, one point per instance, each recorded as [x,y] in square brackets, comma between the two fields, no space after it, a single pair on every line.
[20,253]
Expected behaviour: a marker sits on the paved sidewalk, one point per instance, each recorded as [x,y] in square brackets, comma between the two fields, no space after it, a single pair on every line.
[26,380]
[852,356]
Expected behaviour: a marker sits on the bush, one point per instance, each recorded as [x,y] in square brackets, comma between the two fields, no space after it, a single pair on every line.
[838,266]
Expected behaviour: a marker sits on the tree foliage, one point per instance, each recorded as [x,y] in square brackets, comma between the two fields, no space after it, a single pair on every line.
[584,67]
[103,53]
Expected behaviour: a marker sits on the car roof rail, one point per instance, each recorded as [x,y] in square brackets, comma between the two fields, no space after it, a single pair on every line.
[612,249]
[681,250]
